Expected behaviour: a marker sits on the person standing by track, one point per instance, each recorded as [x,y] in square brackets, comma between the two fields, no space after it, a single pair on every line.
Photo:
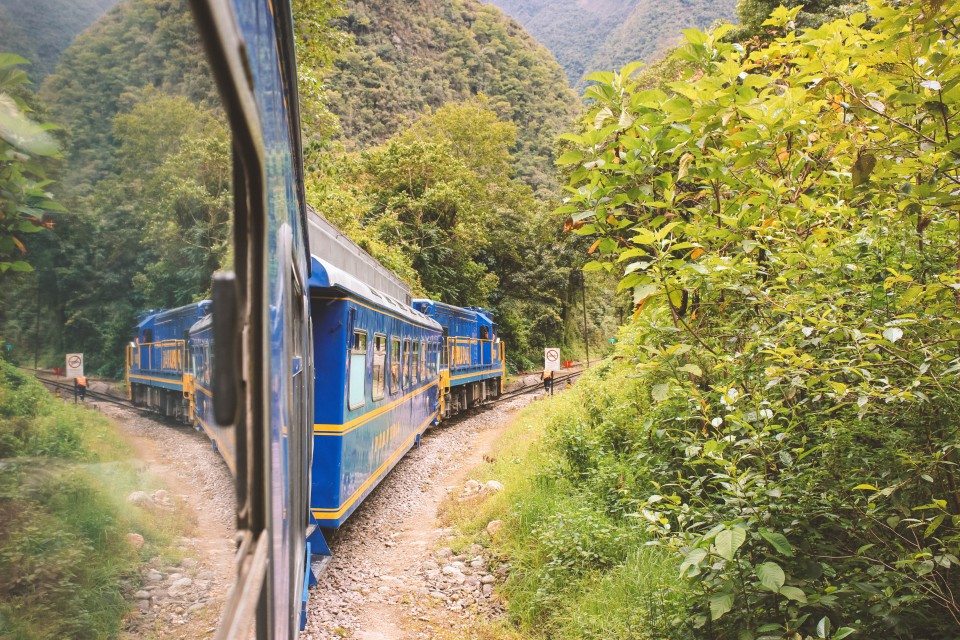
[81,388]
[547,381]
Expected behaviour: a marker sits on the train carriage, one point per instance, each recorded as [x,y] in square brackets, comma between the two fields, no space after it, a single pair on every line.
[377,367]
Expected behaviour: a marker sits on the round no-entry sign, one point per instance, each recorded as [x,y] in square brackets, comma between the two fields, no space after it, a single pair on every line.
[551,359]
[75,361]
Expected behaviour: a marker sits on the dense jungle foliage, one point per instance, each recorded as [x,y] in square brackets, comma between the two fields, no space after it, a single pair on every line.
[64,517]
[41,30]
[145,174]
[772,450]
[413,57]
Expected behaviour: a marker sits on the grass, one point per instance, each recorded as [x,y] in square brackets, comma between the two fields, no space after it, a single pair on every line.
[65,474]
[576,570]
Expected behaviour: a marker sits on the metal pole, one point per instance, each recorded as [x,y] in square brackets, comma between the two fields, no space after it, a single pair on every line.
[586,337]
[36,335]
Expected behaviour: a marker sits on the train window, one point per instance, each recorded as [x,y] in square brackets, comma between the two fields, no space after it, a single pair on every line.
[148,336]
[394,365]
[423,361]
[358,370]
[415,363]
[406,363]
[379,365]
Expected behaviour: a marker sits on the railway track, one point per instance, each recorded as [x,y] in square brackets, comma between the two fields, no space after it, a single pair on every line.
[530,388]
[96,396]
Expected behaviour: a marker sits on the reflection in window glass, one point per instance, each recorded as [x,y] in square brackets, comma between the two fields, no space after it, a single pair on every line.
[394,365]
[358,369]
[415,363]
[406,363]
[379,365]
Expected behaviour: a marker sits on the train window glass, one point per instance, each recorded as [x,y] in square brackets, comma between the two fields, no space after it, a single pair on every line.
[358,370]
[423,361]
[443,347]
[394,365]
[415,363]
[379,365]
[148,336]
[406,363]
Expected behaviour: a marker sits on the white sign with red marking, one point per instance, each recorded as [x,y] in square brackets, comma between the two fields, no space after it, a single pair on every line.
[551,359]
[74,365]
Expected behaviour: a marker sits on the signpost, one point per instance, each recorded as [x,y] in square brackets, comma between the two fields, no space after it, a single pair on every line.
[74,365]
[551,359]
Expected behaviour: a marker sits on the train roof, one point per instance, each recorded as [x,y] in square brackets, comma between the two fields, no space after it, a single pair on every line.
[156,316]
[327,276]
[474,313]
[343,253]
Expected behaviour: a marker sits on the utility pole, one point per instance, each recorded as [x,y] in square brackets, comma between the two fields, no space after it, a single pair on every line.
[586,336]
[36,334]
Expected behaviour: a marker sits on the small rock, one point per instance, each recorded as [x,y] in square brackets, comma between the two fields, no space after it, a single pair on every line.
[446,552]
[476,564]
[494,527]
[188,563]
[470,486]
[195,607]
[493,486]
[143,605]
[138,497]
[488,579]
[451,570]
[430,565]
[487,589]
[142,595]
[154,576]
[135,540]
[183,582]
[472,580]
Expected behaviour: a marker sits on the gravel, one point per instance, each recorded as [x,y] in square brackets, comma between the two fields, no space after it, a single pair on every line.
[390,561]
[180,600]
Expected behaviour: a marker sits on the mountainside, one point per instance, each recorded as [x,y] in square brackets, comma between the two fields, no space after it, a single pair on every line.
[411,57]
[592,35]
[51,24]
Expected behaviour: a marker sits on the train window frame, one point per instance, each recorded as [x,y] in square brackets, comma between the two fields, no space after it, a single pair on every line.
[357,353]
[395,360]
[415,362]
[379,383]
[405,375]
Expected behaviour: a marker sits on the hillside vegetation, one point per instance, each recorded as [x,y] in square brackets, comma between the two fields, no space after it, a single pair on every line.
[772,451]
[413,57]
[41,30]
[145,173]
[589,35]
[64,517]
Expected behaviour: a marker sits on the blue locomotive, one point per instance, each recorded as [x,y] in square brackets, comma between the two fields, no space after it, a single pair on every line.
[158,360]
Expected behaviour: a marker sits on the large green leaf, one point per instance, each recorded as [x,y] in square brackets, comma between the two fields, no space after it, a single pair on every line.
[729,540]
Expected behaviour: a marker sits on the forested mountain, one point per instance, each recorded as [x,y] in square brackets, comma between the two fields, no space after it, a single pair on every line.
[411,57]
[449,115]
[591,35]
[40,30]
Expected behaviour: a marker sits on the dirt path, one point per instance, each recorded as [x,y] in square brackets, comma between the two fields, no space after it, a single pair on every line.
[392,576]
[181,599]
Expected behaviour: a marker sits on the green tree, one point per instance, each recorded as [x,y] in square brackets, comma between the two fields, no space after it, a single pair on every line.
[786,218]
[26,149]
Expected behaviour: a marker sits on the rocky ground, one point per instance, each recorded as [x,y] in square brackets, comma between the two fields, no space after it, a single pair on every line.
[180,598]
[393,574]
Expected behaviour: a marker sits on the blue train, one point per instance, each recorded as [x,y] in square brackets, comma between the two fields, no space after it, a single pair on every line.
[386,368]
[312,370]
